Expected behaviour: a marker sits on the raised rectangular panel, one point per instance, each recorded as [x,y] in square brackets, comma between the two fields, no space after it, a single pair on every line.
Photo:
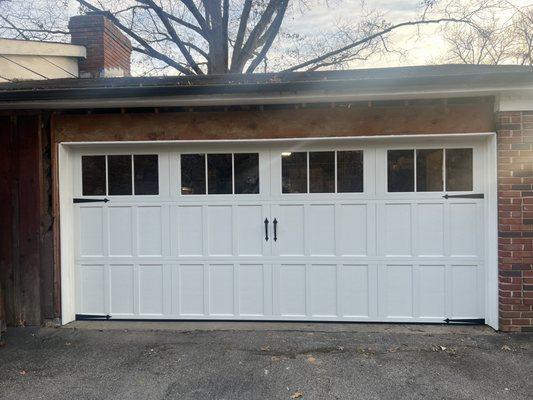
[250,230]
[150,289]
[92,289]
[465,292]
[398,291]
[149,230]
[191,289]
[221,289]
[322,229]
[220,230]
[120,232]
[354,291]
[291,229]
[397,226]
[432,291]
[292,290]
[91,231]
[353,228]
[121,293]
[251,290]
[430,234]
[323,290]
[190,231]
[463,229]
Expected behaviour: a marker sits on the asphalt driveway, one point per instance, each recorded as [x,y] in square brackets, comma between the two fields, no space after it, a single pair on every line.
[135,361]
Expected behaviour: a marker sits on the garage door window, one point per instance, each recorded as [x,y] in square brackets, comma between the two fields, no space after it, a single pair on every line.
[120,175]
[316,170]
[225,173]
[433,168]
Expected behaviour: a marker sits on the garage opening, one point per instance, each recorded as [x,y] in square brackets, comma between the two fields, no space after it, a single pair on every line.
[345,230]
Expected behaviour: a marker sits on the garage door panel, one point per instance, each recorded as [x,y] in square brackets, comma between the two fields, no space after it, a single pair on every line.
[323,290]
[220,230]
[91,291]
[396,229]
[339,254]
[292,290]
[190,230]
[463,229]
[250,229]
[430,229]
[432,291]
[221,289]
[396,291]
[353,227]
[321,229]
[151,289]
[291,229]
[354,287]
[191,290]
[252,285]
[91,231]
[120,231]
[465,291]
[122,287]
[149,231]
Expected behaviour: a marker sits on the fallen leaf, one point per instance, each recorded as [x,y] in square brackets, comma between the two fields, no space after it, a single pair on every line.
[311,359]
[340,348]
[297,395]
[275,358]
[265,348]
[442,348]
[506,348]
[67,344]
[393,350]
[23,372]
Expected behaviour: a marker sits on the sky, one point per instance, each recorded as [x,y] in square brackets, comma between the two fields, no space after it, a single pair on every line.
[427,48]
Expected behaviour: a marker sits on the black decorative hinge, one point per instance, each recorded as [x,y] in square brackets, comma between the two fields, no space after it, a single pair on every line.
[89,317]
[464,196]
[90,200]
[474,321]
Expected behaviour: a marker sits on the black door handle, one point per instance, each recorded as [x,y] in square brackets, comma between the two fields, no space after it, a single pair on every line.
[275,222]
[266,229]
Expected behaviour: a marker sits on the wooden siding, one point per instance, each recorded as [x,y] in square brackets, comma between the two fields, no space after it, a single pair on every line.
[438,118]
[26,262]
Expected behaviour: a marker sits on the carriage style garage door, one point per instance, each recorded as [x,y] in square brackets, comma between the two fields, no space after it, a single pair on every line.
[332,230]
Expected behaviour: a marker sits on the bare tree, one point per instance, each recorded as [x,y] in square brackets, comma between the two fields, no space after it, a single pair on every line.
[504,36]
[223,36]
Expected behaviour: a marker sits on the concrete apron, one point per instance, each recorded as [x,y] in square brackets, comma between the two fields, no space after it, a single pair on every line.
[188,326]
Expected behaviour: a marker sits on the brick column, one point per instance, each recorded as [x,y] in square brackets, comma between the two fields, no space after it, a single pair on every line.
[515,220]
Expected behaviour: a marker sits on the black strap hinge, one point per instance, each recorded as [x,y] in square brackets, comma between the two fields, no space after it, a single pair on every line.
[473,321]
[90,200]
[464,196]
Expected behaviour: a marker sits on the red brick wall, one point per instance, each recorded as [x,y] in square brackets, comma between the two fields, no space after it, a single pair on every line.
[515,238]
[108,50]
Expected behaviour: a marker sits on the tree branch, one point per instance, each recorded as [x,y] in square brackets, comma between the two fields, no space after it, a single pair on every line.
[172,32]
[371,37]
[270,35]
[237,47]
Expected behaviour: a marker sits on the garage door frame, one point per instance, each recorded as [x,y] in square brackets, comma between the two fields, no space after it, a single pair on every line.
[67,218]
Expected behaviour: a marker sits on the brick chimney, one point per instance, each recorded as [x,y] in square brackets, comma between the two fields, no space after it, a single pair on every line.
[108,50]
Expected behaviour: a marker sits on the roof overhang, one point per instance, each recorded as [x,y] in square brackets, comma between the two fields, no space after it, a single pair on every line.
[508,83]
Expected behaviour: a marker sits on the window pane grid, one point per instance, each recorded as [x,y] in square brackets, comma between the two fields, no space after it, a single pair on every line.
[224,173]
[430,170]
[326,172]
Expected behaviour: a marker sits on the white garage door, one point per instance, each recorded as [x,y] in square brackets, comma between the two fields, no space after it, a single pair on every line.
[339,231]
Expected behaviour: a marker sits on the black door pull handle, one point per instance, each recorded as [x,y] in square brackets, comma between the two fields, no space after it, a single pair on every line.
[266,229]
[275,222]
